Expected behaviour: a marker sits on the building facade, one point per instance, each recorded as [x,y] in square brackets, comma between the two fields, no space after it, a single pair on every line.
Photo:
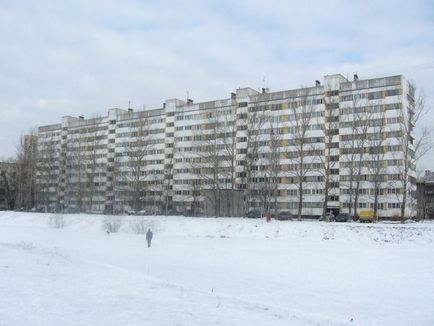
[340,146]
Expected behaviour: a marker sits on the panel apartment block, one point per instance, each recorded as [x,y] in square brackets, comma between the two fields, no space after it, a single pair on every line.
[252,151]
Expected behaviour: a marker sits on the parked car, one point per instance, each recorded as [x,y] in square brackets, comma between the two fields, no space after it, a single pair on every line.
[253,214]
[366,216]
[174,212]
[342,217]
[145,212]
[330,217]
[284,216]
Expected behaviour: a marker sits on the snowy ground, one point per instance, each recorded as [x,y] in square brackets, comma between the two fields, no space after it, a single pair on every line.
[214,272]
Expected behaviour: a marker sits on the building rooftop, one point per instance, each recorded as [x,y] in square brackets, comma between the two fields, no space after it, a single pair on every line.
[428,177]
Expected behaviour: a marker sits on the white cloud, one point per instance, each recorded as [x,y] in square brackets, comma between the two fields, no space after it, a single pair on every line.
[66,58]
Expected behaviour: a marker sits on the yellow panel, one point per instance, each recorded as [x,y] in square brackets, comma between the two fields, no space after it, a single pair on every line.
[283,205]
[284,106]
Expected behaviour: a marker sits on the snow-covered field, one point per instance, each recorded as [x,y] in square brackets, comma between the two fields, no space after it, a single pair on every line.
[214,272]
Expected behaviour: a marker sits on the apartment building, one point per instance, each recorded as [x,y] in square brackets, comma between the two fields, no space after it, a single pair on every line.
[337,146]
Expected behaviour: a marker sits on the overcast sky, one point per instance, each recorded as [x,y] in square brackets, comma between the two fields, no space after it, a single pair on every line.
[82,57]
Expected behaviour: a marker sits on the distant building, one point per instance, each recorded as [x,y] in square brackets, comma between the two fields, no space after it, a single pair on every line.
[188,156]
[425,196]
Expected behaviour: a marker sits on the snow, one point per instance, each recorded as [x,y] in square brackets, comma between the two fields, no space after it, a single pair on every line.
[207,271]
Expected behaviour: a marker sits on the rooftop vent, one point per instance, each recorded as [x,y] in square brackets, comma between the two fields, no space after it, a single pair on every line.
[233,96]
[265,90]
[356,78]
[81,117]
[317,83]
[189,101]
[130,110]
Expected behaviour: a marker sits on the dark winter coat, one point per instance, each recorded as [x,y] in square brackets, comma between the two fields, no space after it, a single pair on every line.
[149,235]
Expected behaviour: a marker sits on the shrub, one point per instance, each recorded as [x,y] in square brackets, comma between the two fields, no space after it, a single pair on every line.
[139,225]
[56,221]
[111,224]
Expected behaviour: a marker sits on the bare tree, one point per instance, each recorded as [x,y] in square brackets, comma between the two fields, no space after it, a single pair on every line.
[228,134]
[305,152]
[253,123]
[276,143]
[354,150]
[141,142]
[376,166]
[8,175]
[413,148]
[328,165]
[26,171]
[267,170]
[167,185]
[75,168]
[48,171]
[213,160]
[90,162]
[191,161]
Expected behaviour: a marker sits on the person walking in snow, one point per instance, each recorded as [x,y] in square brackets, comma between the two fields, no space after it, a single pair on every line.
[149,237]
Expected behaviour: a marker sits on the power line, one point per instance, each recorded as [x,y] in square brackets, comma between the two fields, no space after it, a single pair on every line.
[426,65]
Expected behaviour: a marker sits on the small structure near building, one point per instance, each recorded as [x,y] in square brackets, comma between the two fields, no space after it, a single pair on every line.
[425,196]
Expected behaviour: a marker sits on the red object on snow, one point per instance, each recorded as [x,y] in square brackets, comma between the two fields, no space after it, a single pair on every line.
[268,216]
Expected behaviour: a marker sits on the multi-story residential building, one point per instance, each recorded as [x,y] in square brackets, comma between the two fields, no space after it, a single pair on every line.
[340,146]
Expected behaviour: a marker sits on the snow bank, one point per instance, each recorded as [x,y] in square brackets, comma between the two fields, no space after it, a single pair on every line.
[225,227]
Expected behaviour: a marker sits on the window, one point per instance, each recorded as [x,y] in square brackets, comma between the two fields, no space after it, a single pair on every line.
[392,92]
[375,95]
[292,192]
[393,205]
[276,107]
